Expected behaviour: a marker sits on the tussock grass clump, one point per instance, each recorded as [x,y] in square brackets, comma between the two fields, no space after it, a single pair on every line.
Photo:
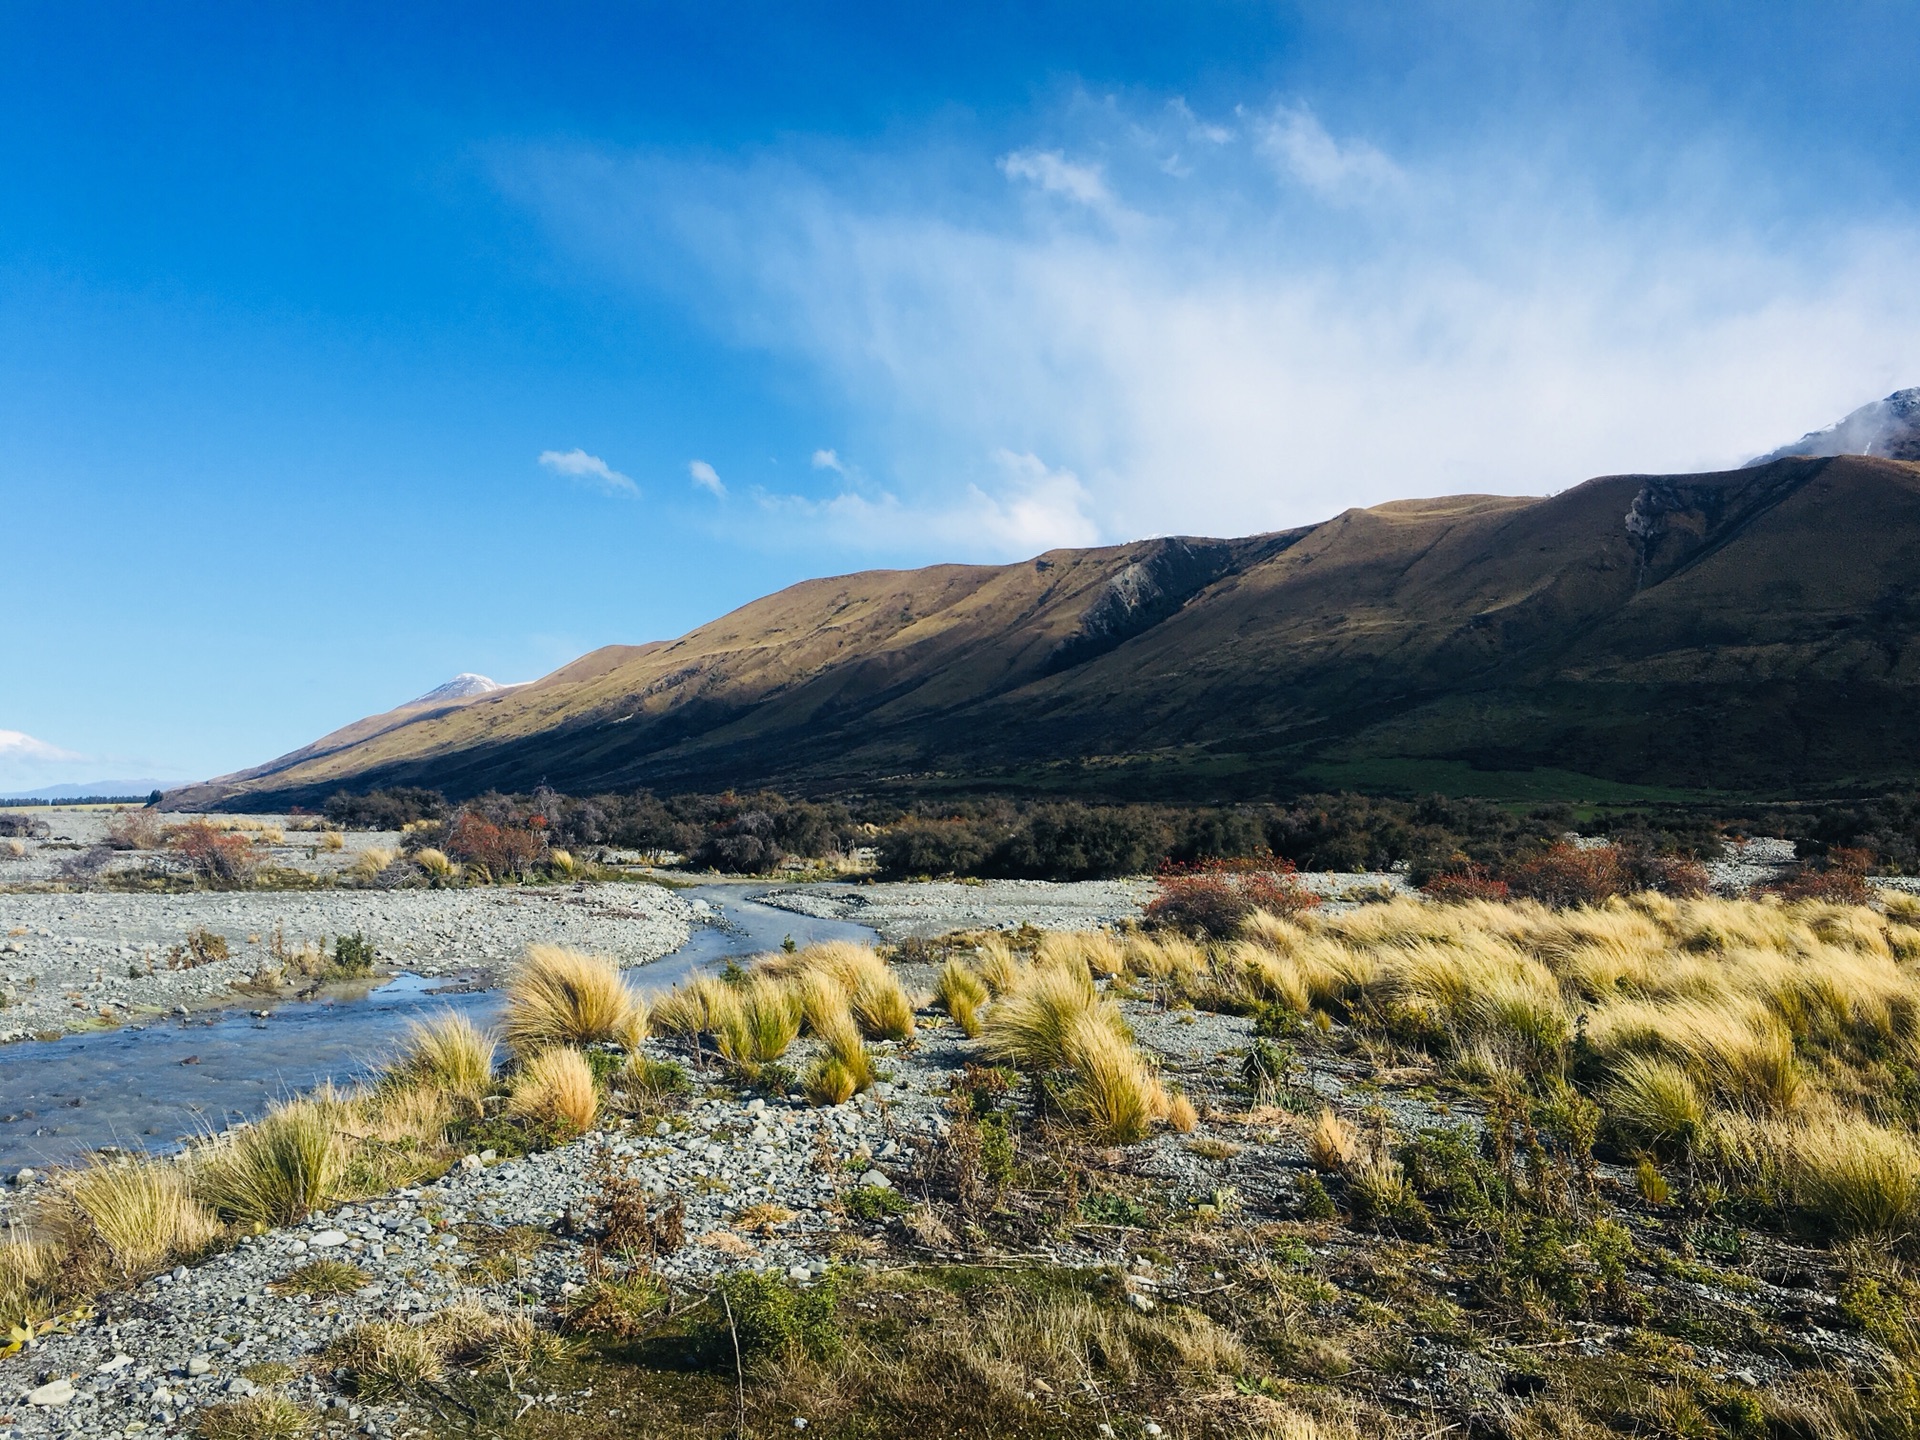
[961,993]
[1111,1091]
[999,968]
[757,1030]
[557,996]
[450,1053]
[556,1088]
[268,1416]
[385,1360]
[1654,1103]
[142,1211]
[1332,1144]
[323,1279]
[702,1006]
[435,862]
[1028,1027]
[285,1164]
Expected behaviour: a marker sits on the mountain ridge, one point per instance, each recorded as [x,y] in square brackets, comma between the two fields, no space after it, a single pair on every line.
[1762,614]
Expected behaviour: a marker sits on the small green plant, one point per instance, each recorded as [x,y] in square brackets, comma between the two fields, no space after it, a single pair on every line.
[353,955]
[655,1080]
[875,1202]
[1106,1208]
[771,1317]
[1315,1202]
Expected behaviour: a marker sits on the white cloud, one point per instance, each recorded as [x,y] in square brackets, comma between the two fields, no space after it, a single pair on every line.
[828,460]
[591,470]
[1295,140]
[1260,350]
[1025,507]
[1055,174]
[30,764]
[706,477]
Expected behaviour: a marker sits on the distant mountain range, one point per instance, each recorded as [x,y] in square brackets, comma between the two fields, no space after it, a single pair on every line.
[1755,631]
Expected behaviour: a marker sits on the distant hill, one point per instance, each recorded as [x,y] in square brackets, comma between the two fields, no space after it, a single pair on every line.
[1752,631]
[1889,428]
[95,789]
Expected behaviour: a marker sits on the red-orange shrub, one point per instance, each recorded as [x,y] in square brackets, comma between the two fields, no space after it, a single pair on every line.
[1214,897]
[1841,879]
[1470,882]
[1571,875]
[505,850]
[216,855]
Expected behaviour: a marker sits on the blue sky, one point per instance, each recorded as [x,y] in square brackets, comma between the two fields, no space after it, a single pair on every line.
[345,347]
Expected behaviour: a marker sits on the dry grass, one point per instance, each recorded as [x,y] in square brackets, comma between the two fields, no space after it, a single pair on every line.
[702,1006]
[1654,1103]
[1028,1027]
[1111,1091]
[1332,1144]
[387,1360]
[758,1029]
[961,993]
[556,1088]
[557,996]
[997,965]
[267,1416]
[450,1053]
[142,1211]
[434,862]
[284,1165]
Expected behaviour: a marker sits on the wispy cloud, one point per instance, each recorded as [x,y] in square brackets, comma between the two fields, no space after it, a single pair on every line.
[828,460]
[1294,319]
[27,763]
[1052,172]
[1299,145]
[588,470]
[706,477]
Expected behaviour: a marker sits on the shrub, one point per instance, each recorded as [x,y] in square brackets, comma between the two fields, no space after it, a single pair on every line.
[557,996]
[353,955]
[135,830]
[451,1053]
[1839,879]
[392,809]
[504,851]
[961,993]
[216,856]
[278,1169]
[556,1089]
[1465,885]
[1216,897]
[1568,875]
[774,1318]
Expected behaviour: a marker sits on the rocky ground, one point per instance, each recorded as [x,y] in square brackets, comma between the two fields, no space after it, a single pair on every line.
[76,961]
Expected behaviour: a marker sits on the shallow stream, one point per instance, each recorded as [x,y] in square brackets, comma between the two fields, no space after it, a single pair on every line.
[152,1085]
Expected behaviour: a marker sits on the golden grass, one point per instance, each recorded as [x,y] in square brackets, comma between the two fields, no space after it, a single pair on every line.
[1110,1091]
[284,1165]
[759,1028]
[998,967]
[450,1053]
[557,996]
[1332,1144]
[142,1211]
[1654,1103]
[961,993]
[1028,1027]
[556,1088]
[266,1416]
[702,1006]
[434,862]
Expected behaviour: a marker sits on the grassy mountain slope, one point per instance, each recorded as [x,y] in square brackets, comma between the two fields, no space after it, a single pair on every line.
[1752,630]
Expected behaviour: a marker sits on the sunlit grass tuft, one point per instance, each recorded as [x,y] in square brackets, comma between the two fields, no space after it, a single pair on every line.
[557,996]
[556,1088]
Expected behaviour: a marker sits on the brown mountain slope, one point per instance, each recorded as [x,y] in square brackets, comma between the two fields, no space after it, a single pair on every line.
[1756,629]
